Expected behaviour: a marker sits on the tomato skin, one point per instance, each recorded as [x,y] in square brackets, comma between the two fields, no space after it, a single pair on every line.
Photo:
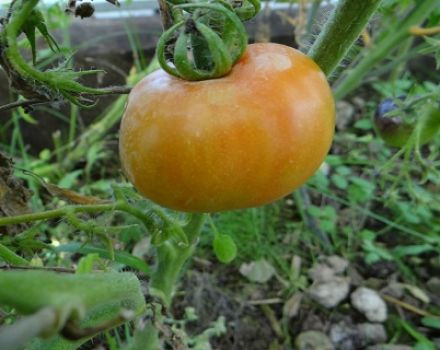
[240,141]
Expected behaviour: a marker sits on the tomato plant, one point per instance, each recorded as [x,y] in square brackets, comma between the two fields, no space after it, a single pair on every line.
[240,141]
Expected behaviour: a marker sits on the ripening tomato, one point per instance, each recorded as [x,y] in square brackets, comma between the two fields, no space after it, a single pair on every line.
[240,141]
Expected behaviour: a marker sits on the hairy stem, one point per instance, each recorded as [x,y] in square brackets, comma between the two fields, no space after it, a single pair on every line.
[171,257]
[74,209]
[341,30]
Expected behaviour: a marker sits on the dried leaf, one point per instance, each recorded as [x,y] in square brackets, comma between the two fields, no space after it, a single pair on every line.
[66,194]
[416,292]
[291,307]
[72,196]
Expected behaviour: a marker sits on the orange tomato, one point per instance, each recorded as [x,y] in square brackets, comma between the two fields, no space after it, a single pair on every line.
[240,141]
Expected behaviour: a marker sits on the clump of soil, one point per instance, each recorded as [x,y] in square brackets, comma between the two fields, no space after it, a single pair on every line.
[13,196]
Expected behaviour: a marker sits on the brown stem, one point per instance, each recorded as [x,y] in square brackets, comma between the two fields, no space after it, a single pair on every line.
[55,269]
[165,14]
[22,103]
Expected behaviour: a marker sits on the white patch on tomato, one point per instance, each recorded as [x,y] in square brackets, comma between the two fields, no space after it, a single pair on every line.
[273,61]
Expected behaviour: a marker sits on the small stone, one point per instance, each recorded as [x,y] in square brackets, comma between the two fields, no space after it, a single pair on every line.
[259,271]
[321,273]
[313,322]
[356,278]
[389,347]
[327,268]
[313,340]
[348,336]
[358,102]
[372,333]
[330,293]
[345,112]
[369,302]
[338,264]
[394,289]
[345,337]
[433,285]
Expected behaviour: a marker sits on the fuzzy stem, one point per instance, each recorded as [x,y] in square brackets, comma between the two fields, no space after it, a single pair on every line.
[55,213]
[381,50]
[84,304]
[341,30]
[73,209]
[170,260]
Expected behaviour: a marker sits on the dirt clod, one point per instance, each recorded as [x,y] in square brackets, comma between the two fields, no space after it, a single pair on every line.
[313,340]
[368,302]
[13,195]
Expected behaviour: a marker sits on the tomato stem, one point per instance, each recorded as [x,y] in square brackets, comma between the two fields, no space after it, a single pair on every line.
[341,30]
[171,257]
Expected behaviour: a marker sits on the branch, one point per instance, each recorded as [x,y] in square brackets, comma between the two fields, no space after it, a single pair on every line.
[117,90]
[341,30]
[41,268]
[22,103]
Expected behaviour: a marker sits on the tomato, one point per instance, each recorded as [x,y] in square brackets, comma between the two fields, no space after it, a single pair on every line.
[239,141]
[396,132]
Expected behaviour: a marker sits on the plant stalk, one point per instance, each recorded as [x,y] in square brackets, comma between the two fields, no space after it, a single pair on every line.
[341,30]
[171,258]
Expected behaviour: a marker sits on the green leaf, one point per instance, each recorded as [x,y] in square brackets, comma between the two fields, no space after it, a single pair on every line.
[363,124]
[26,117]
[224,248]
[339,181]
[11,257]
[401,251]
[120,256]
[431,322]
[85,264]
[424,345]
[69,179]
[343,170]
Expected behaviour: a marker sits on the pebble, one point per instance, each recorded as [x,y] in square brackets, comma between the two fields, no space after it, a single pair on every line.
[330,293]
[338,264]
[328,267]
[345,337]
[345,113]
[349,336]
[368,302]
[433,285]
[394,289]
[372,333]
[313,340]
[389,347]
